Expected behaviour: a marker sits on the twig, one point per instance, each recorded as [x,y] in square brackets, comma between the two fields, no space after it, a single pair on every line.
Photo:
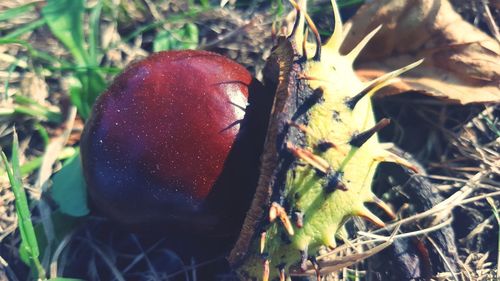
[3,262]
[495,213]
[50,156]
[479,197]
[111,265]
[490,21]
[148,262]
[53,264]
[229,35]
[408,234]
[184,270]
[448,204]
[10,273]
[443,257]
[331,265]
[138,258]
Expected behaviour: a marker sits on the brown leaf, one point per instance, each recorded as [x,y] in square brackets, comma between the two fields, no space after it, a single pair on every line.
[462,63]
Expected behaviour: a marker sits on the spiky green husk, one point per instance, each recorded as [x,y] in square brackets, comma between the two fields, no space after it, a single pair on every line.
[302,169]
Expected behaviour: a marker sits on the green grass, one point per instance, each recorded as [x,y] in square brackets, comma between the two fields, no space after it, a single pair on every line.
[77,27]
[29,244]
[65,20]
[16,11]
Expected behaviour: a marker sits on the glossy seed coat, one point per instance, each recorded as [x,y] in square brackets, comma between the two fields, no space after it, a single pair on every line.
[166,134]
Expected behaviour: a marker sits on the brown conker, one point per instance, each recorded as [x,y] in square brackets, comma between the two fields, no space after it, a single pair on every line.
[173,141]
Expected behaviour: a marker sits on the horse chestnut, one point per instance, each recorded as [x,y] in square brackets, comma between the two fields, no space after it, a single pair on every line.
[170,141]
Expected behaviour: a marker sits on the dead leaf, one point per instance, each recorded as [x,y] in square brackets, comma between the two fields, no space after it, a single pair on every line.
[462,63]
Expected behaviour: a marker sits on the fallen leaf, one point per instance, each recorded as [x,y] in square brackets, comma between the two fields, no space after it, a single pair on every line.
[69,189]
[462,63]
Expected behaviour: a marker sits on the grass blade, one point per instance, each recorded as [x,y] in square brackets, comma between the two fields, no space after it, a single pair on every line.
[56,62]
[182,38]
[29,242]
[24,29]
[94,18]
[64,18]
[28,106]
[17,11]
